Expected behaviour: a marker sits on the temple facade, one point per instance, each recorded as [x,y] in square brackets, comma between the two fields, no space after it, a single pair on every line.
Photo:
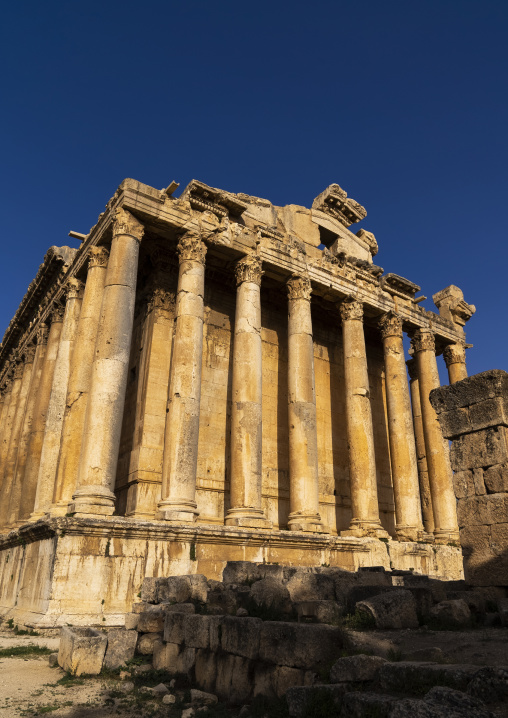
[210,378]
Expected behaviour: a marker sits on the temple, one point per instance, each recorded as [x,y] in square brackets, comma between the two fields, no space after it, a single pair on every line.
[214,378]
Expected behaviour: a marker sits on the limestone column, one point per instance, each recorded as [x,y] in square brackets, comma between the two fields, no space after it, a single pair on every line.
[9,489]
[423,472]
[4,439]
[400,429]
[182,422]
[303,452]
[50,340]
[35,380]
[11,414]
[246,422]
[104,412]
[436,449]
[79,381]
[360,435]
[56,407]
[455,359]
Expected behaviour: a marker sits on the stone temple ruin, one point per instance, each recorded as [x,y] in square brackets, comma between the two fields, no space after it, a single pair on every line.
[210,379]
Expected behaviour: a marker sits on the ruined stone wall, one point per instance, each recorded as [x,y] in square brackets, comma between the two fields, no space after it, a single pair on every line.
[473,414]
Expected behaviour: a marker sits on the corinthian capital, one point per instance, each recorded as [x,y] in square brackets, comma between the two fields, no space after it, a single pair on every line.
[73,288]
[161,300]
[423,340]
[249,269]
[299,288]
[29,354]
[390,325]
[42,333]
[126,223]
[351,308]
[57,313]
[98,257]
[454,354]
[190,248]
[18,371]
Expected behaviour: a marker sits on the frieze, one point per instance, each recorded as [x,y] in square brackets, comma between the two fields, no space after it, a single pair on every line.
[42,333]
[249,269]
[203,198]
[29,353]
[299,287]
[18,371]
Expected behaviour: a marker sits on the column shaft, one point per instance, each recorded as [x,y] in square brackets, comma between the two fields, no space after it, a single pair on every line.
[79,381]
[246,420]
[35,382]
[36,438]
[104,411]
[400,428]
[181,437]
[360,435]
[436,449]
[455,359]
[10,464]
[303,452]
[4,429]
[423,472]
[9,432]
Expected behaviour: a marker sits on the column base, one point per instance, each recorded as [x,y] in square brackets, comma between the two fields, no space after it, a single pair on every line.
[36,515]
[408,533]
[247,518]
[92,501]
[177,511]
[362,529]
[427,537]
[306,522]
[445,536]
[60,509]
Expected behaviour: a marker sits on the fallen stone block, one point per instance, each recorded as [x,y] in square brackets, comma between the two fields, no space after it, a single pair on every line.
[121,647]
[433,654]
[174,627]
[286,678]
[146,643]
[368,643]
[197,631]
[302,700]
[149,589]
[131,621]
[366,705]
[305,586]
[454,614]
[240,636]
[81,650]
[241,572]
[160,690]
[198,588]
[185,660]
[319,612]
[168,699]
[395,609]
[490,684]
[151,622]
[203,697]
[299,645]
[205,669]
[178,607]
[417,678]
[174,589]
[269,593]
[165,656]
[350,669]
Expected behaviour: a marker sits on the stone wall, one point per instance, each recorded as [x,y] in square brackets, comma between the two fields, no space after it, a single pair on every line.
[473,414]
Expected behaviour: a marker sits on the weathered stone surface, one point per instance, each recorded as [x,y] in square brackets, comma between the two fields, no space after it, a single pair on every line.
[479,449]
[197,631]
[174,589]
[121,647]
[241,572]
[203,697]
[53,660]
[146,643]
[205,669]
[185,660]
[303,586]
[405,677]
[395,609]
[241,636]
[298,645]
[165,656]
[81,650]
[301,698]
[350,669]
[131,621]
[496,478]
[319,612]
[452,613]
[151,622]
[474,389]
[149,589]
[362,705]
[174,627]
[490,684]
[433,654]
[483,510]
[271,593]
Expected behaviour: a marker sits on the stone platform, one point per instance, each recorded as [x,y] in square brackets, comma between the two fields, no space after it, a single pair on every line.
[89,571]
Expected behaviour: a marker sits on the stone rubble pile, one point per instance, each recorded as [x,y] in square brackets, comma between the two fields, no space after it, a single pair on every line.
[269,630]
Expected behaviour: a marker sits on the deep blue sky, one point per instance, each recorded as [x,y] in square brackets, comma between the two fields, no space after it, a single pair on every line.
[403,103]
